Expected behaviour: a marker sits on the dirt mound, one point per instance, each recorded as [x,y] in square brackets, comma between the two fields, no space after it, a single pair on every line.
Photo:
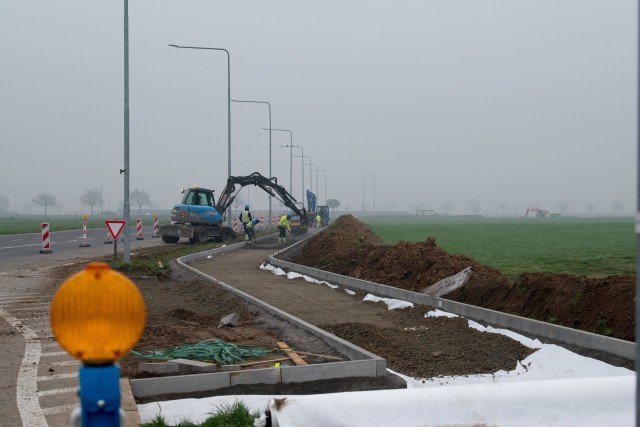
[605,306]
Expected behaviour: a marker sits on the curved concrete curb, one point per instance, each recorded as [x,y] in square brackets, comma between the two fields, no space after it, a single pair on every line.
[362,363]
[618,347]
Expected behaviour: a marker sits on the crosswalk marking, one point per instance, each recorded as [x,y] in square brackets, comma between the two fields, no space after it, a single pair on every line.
[59,409]
[58,376]
[53,354]
[58,391]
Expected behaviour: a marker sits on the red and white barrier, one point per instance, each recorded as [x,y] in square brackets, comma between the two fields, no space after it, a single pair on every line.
[156,226]
[273,221]
[84,243]
[46,239]
[261,220]
[235,225]
[139,229]
[108,239]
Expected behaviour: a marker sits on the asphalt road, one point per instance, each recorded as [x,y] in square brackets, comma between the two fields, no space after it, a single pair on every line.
[39,380]
[17,250]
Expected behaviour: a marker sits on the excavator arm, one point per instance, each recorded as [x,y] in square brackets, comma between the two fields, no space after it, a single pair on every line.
[270,186]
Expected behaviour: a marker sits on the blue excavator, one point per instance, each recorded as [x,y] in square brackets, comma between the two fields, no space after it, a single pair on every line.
[199,218]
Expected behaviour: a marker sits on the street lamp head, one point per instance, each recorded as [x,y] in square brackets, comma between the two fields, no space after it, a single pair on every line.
[174,45]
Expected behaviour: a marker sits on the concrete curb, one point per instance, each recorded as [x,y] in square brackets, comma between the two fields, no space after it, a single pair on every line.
[362,363]
[128,403]
[614,346]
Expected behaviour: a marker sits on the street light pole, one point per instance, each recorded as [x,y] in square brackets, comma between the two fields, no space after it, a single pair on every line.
[228,101]
[325,185]
[363,173]
[310,176]
[126,208]
[270,176]
[290,155]
[302,149]
[374,190]
[310,165]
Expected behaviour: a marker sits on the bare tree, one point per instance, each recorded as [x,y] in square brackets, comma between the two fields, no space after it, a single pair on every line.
[91,198]
[617,206]
[563,207]
[448,207]
[5,204]
[44,200]
[590,207]
[140,198]
[474,206]
[333,203]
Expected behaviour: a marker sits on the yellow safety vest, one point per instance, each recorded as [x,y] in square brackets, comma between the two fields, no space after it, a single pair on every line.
[245,217]
[284,222]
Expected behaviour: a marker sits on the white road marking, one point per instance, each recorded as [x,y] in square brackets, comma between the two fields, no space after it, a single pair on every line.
[26,385]
[61,265]
[29,308]
[53,354]
[50,344]
[21,299]
[57,377]
[21,246]
[63,363]
[58,391]
[59,409]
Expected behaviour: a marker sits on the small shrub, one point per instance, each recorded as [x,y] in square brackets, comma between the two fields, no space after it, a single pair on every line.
[226,415]
[602,327]
[577,297]
[235,414]
[145,268]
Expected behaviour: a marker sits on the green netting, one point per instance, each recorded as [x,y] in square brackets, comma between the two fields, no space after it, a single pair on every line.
[217,351]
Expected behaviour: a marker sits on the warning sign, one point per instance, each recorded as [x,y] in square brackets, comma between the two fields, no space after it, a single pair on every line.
[115,227]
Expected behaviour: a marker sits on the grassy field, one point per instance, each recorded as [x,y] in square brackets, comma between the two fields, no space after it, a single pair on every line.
[593,247]
[32,223]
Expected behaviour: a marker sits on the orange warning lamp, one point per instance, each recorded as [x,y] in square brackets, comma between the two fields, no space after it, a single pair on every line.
[98,315]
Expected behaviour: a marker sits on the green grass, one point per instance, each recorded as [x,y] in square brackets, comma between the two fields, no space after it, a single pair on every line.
[22,224]
[594,247]
[146,263]
[145,267]
[226,415]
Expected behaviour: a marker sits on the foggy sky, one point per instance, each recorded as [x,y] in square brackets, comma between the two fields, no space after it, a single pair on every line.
[504,102]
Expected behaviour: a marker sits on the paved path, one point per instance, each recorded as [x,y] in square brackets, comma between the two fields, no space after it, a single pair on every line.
[317,304]
[39,379]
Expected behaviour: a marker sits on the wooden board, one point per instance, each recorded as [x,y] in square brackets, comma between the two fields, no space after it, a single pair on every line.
[295,358]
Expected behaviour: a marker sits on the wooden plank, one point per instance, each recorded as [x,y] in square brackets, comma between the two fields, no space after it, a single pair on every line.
[263,361]
[297,360]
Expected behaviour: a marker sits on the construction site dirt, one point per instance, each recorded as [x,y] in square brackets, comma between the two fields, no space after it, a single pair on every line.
[185,309]
[599,305]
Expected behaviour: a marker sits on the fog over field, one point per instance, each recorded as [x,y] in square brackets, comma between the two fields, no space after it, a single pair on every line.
[458,106]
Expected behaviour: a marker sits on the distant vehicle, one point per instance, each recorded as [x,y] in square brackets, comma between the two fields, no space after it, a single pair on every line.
[539,213]
[199,218]
[323,211]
